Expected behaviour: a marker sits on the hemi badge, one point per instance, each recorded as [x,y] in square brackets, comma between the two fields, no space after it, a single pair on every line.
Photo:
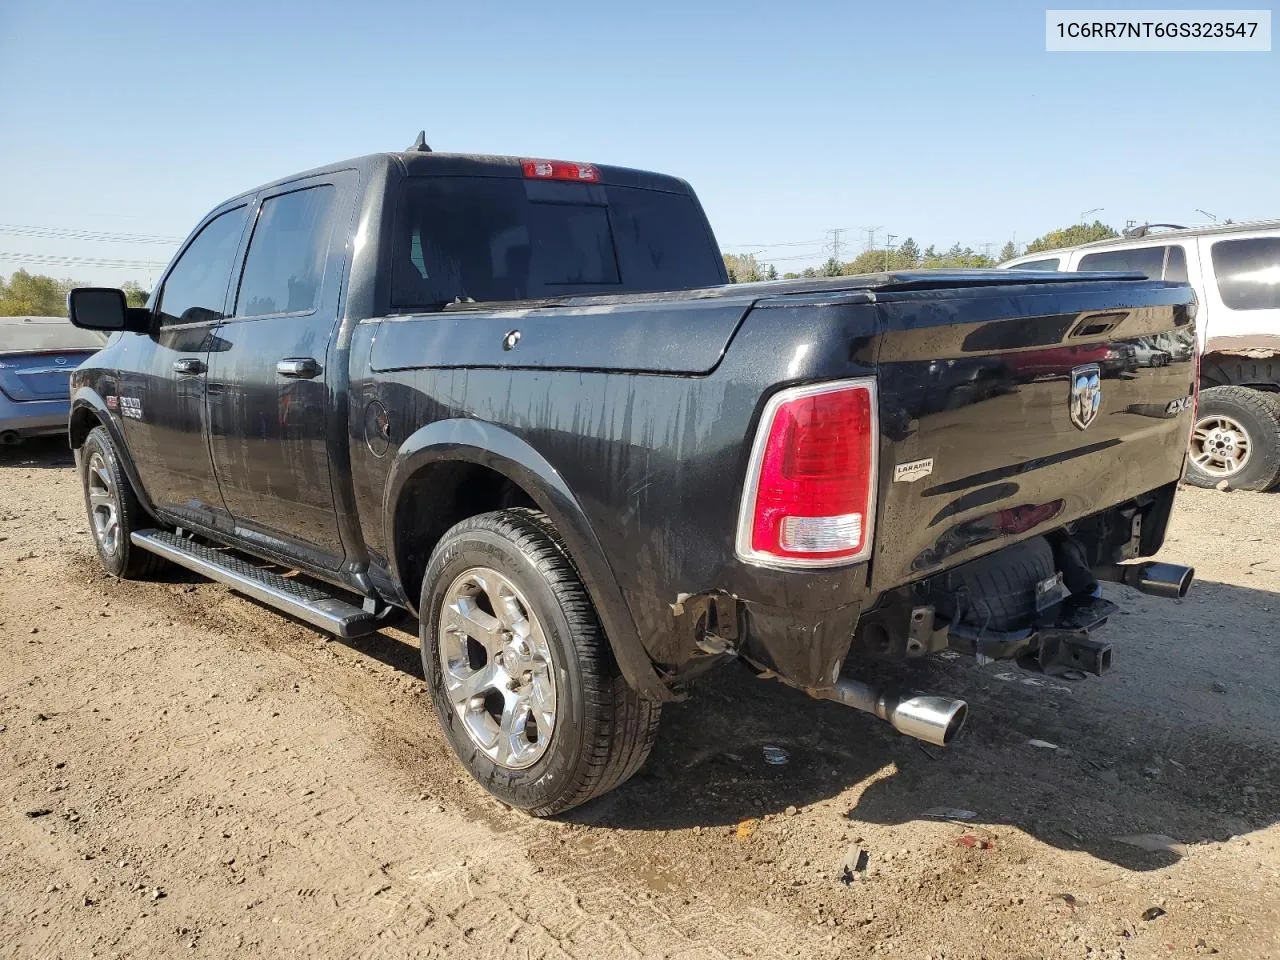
[910,472]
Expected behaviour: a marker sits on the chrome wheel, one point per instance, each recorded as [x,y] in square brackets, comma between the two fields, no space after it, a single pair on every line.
[497,668]
[104,507]
[1220,445]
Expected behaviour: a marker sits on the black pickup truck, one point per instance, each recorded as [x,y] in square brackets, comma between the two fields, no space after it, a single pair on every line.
[518,399]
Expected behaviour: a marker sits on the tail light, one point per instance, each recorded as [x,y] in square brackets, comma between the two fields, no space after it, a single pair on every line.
[809,499]
[559,170]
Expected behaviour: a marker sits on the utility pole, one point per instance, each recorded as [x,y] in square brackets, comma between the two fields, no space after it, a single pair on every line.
[871,237]
[1085,213]
[835,233]
[888,246]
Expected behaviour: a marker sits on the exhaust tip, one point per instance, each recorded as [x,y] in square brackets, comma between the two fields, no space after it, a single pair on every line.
[1169,580]
[1184,584]
[935,720]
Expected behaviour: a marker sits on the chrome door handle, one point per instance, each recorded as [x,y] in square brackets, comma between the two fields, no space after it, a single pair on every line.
[300,368]
[189,365]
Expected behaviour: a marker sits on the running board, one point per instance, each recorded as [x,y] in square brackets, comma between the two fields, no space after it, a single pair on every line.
[301,600]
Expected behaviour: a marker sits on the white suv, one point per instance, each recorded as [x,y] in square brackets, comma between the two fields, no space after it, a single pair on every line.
[1235,270]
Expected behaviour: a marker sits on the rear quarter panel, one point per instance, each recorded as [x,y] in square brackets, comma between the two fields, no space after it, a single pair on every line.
[655,459]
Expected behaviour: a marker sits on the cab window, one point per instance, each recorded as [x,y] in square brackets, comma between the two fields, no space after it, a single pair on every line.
[196,288]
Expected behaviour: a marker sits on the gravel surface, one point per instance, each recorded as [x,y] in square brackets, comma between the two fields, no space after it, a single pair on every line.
[185,772]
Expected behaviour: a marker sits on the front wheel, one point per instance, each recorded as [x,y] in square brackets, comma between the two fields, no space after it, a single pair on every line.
[521,673]
[1236,438]
[114,510]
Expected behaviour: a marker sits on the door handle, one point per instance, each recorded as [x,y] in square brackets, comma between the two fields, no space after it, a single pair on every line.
[189,365]
[299,368]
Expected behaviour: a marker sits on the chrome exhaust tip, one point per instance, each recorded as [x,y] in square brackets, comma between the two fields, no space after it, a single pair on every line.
[933,719]
[1168,580]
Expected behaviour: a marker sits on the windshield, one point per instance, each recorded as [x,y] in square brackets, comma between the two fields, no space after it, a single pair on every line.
[492,238]
[24,335]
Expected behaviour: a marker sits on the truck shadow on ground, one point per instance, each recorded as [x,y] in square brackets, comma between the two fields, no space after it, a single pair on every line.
[1115,769]
[38,453]
[1126,759]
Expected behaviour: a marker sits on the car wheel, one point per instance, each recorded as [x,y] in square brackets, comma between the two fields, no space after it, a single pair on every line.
[1236,438]
[520,670]
[114,510]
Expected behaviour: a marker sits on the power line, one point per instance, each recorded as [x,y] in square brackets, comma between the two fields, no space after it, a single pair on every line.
[54,260]
[67,233]
[810,256]
[784,243]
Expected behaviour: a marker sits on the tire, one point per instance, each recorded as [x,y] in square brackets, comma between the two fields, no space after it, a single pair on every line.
[597,732]
[1236,439]
[997,591]
[113,509]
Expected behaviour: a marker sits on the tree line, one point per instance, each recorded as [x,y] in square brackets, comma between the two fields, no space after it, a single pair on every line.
[747,268]
[35,295]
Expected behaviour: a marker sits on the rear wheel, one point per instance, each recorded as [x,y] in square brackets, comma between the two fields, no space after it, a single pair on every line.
[114,510]
[521,673]
[1236,438]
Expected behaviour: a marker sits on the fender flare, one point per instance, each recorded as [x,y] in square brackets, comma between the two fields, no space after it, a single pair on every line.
[488,445]
[86,398]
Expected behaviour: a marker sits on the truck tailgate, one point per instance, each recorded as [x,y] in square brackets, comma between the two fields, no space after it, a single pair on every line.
[1036,405]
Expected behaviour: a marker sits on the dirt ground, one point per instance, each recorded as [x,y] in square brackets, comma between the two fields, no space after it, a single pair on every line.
[186,773]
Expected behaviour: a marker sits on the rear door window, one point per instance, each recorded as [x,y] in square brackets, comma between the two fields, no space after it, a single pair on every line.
[498,238]
[284,267]
[1050,263]
[1148,261]
[1175,265]
[1248,272]
[196,288]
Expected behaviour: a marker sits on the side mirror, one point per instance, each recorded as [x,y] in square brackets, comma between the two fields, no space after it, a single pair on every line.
[105,309]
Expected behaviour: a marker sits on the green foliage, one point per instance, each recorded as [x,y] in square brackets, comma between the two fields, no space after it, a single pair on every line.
[745,268]
[33,295]
[957,256]
[909,257]
[1070,236]
[1008,251]
[134,295]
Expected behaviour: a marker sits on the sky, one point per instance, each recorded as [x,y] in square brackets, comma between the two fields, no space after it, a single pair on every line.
[944,122]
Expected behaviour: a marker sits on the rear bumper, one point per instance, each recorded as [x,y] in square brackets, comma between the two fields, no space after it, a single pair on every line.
[807,641]
[34,417]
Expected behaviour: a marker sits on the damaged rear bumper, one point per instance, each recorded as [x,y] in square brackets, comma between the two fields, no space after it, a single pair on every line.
[1061,637]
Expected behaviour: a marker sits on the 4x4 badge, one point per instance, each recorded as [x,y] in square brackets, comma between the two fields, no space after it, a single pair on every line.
[1086,394]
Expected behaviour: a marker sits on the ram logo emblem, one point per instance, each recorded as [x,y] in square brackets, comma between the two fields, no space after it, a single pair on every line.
[1086,394]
